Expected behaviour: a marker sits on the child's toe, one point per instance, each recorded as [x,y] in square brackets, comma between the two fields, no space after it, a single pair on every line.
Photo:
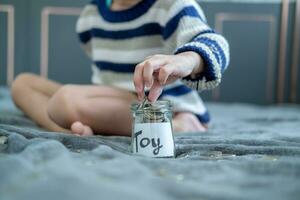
[87,131]
[77,128]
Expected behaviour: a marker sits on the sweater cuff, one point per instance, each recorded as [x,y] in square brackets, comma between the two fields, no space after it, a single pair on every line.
[211,76]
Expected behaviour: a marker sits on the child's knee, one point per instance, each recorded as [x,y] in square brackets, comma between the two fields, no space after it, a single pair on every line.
[63,106]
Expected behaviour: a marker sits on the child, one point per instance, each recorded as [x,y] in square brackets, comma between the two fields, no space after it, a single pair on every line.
[161,47]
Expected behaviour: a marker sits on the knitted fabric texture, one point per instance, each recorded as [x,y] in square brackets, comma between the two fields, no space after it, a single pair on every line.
[118,40]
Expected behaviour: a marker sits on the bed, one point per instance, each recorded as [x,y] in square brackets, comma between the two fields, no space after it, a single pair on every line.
[250,152]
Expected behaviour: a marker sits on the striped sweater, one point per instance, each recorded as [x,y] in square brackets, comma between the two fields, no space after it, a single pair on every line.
[117,40]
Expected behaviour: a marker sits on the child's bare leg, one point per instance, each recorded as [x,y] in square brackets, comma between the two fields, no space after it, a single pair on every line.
[31,94]
[187,122]
[111,118]
[105,110]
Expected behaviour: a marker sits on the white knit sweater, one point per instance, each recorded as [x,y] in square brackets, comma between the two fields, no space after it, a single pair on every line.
[117,40]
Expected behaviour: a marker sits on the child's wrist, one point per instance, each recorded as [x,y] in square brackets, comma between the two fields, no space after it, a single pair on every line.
[197,63]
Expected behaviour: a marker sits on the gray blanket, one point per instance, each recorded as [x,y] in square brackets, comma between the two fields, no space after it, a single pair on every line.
[250,152]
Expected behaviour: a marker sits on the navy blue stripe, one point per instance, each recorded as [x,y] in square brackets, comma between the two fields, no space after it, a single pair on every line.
[116,67]
[94,2]
[204,41]
[204,118]
[85,37]
[176,91]
[200,34]
[124,15]
[144,30]
[204,32]
[209,72]
[212,43]
[173,23]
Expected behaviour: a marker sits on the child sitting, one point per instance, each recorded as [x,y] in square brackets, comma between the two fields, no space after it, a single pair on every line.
[163,48]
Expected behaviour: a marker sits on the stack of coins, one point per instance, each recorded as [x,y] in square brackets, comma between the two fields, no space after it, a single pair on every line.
[152,113]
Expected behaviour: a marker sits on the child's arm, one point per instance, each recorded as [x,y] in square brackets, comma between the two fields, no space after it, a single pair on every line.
[159,70]
[201,55]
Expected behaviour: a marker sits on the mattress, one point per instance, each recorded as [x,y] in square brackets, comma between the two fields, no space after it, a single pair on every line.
[249,152]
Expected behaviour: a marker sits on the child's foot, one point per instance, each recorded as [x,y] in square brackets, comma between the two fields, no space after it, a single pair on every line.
[81,129]
[187,122]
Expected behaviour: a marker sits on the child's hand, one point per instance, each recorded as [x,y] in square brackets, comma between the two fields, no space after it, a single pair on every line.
[159,70]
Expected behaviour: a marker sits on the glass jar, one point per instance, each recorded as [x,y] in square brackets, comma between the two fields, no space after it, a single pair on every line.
[152,133]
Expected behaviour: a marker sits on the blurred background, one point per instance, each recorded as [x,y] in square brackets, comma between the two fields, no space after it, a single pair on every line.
[39,36]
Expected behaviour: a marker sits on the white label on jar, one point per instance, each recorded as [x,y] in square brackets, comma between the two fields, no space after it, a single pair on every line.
[153,139]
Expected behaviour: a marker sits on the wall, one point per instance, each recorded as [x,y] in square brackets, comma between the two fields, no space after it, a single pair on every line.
[262,70]
[45,40]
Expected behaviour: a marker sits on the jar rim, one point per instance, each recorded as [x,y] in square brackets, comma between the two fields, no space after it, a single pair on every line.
[158,106]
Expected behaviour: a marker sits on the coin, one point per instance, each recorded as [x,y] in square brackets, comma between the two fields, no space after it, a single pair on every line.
[142,105]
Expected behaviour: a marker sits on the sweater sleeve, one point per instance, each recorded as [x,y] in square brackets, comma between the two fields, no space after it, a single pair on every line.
[193,34]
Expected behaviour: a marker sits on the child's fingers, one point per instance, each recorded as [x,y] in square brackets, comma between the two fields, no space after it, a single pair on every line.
[143,74]
[138,80]
[147,74]
[149,67]
[164,73]
[155,91]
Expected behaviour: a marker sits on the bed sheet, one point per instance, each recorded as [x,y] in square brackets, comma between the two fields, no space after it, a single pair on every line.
[249,152]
